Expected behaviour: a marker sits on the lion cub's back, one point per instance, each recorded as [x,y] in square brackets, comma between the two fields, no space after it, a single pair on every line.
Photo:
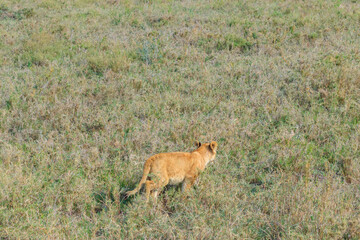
[175,163]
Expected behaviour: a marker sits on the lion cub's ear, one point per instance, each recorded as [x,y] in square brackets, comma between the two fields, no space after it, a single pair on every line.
[197,144]
[213,145]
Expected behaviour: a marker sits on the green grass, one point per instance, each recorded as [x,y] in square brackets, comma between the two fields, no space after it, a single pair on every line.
[90,89]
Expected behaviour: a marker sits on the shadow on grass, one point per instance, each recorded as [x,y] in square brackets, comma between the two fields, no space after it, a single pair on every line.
[104,197]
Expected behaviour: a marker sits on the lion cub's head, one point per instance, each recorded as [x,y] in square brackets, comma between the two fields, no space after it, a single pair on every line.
[210,148]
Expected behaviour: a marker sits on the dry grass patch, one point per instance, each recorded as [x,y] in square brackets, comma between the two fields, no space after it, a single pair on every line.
[89,90]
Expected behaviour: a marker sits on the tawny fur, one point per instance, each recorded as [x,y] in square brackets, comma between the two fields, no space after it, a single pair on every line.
[175,168]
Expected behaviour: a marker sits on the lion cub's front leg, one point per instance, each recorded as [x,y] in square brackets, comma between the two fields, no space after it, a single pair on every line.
[189,182]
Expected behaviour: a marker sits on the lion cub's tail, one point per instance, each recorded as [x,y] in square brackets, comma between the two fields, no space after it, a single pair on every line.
[146,171]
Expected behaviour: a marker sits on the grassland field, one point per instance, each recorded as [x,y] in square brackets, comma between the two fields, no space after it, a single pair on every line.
[89,89]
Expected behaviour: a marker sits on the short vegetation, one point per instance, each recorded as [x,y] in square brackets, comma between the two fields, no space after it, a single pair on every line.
[89,89]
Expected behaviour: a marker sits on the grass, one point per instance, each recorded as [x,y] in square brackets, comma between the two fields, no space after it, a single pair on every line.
[90,89]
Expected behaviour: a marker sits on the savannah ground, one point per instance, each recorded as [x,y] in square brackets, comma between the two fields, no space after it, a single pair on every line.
[90,89]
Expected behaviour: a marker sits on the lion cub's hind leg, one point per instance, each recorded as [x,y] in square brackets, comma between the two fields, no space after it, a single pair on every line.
[154,195]
[153,188]
[149,186]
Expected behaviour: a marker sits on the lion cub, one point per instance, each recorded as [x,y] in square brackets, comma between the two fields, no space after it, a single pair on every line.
[174,168]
